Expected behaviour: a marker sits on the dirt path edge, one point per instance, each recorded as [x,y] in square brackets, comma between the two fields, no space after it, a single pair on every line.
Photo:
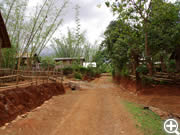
[21,100]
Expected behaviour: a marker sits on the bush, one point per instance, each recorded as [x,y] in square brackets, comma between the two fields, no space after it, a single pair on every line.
[124,72]
[147,80]
[171,66]
[78,75]
[67,70]
[82,70]
[142,69]
[92,72]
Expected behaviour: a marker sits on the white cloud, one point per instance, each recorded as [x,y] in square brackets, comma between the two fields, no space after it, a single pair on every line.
[94,20]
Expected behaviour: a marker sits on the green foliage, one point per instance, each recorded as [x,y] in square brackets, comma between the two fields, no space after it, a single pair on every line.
[144,30]
[47,62]
[162,82]
[142,69]
[83,70]
[148,121]
[80,72]
[75,43]
[9,57]
[147,80]
[171,66]
[78,75]
[30,31]
[91,72]
[67,70]
[124,72]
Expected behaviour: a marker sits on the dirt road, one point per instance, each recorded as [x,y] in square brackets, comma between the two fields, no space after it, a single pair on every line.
[94,110]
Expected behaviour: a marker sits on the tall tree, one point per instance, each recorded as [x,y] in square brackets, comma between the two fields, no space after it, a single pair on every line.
[31,32]
[136,12]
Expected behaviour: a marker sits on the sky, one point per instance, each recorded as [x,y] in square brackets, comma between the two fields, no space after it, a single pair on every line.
[93,20]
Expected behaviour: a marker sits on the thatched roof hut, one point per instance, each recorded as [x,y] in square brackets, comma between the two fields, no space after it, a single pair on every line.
[4,34]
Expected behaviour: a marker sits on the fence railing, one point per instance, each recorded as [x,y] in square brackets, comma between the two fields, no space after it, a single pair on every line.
[19,78]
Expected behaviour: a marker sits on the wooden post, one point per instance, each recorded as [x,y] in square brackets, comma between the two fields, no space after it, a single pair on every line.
[48,78]
[0,52]
[17,80]
[0,82]
[56,76]
[61,76]
[31,78]
[36,77]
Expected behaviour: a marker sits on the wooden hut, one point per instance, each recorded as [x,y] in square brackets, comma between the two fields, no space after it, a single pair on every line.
[68,61]
[4,38]
[27,60]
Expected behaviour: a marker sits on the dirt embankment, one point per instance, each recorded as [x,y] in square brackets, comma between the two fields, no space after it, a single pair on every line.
[126,83]
[165,97]
[158,90]
[20,100]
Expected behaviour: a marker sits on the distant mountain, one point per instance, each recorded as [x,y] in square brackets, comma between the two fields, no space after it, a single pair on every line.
[48,51]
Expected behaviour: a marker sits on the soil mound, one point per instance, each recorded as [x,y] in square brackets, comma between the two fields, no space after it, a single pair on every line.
[20,100]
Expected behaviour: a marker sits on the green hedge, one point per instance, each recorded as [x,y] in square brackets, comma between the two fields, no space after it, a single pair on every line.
[80,71]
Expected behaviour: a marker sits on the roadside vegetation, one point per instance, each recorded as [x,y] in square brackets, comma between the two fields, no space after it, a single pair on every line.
[147,121]
[29,32]
[143,41]
[80,72]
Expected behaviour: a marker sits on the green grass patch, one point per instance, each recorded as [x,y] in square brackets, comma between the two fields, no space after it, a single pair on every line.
[147,121]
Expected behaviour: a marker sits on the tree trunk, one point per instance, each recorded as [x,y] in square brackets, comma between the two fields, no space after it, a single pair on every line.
[133,67]
[138,79]
[148,57]
[163,66]
[0,52]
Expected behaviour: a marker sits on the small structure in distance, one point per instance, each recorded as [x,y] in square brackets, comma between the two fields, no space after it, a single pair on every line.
[68,61]
[89,64]
[27,59]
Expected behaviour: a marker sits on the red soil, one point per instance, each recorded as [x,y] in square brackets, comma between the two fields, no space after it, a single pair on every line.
[165,97]
[20,100]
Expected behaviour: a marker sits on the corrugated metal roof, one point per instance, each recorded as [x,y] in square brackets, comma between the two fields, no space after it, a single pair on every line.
[4,34]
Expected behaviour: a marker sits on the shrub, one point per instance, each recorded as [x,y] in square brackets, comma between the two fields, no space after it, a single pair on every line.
[78,75]
[67,70]
[82,70]
[142,69]
[113,72]
[171,66]
[124,72]
[147,80]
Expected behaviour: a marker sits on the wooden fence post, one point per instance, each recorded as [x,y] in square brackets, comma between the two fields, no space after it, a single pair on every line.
[17,80]
[31,78]
[36,77]
[48,78]
[61,76]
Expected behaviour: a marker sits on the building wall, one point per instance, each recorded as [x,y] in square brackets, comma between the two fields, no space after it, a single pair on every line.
[67,63]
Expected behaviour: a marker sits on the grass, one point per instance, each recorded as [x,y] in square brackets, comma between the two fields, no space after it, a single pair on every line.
[147,121]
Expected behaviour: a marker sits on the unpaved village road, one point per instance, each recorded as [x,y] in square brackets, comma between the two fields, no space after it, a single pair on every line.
[94,110]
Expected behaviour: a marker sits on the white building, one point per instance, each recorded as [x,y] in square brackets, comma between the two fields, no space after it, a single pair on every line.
[89,64]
